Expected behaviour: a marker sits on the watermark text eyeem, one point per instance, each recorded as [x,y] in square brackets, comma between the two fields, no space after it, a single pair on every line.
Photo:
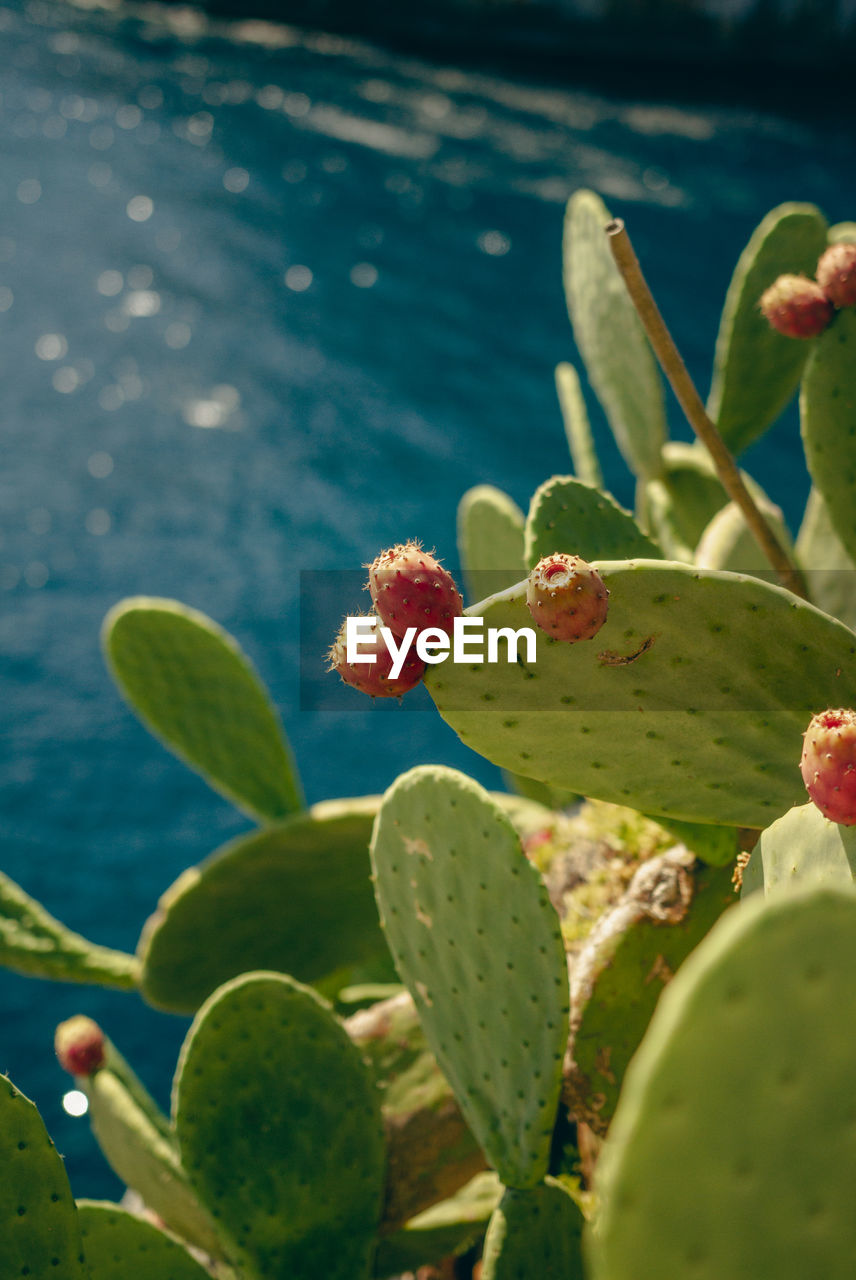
[470,642]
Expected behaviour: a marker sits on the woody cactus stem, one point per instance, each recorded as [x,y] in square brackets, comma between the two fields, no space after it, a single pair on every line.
[690,401]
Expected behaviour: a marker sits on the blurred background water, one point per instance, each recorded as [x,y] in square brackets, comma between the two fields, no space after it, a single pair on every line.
[270,301]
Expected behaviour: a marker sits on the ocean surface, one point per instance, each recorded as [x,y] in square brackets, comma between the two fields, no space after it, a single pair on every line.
[270,301]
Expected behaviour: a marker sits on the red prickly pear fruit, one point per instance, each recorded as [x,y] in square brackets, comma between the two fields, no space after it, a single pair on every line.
[796,307]
[374,678]
[409,588]
[80,1046]
[828,765]
[566,597]
[836,274]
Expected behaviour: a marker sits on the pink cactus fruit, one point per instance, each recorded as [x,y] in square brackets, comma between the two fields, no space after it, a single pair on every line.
[80,1046]
[828,765]
[836,274]
[796,307]
[566,597]
[410,588]
[374,678]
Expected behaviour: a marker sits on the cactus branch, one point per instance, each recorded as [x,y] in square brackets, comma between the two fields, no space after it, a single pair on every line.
[690,401]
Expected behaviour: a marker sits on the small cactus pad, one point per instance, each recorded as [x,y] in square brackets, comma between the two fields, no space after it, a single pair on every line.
[688,686]
[445,1229]
[40,1234]
[191,685]
[490,541]
[247,907]
[828,411]
[733,1149]
[756,370]
[451,878]
[677,507]
[577,427]
[629,957]
[33,942]
[537,1232]
[279,1127]
[119,1246]
[569,516]
[802,847]
[727,542]
[827,568]
[610,337]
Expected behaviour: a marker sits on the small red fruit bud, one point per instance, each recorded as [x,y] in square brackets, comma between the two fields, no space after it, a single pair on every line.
[410,588]
[566,597]
[374,678]
[836,274]
[828,765]
[80,1046]
[796,307]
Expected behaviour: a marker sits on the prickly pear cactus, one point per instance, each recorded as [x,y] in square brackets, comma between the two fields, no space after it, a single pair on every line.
[569,516]
[40,1236]
[447,1228]
[828,409]
[733,1149]
[801,847]
[119,1245]
[278,1125]
[451,878]
[577,426]
[192,686]
[490,540]
[537,1232]
[688,686]
[756,370]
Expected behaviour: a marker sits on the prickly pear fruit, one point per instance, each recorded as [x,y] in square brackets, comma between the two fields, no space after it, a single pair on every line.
[410,588]
[374,678]
[828,765]
[836,274]
[796,307]
[80,1047]
[566,597]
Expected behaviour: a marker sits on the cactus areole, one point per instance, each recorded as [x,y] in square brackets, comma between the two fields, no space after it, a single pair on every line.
[828,765]
[567,598]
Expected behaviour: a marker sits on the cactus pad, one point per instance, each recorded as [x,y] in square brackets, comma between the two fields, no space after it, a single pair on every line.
[119,1246]
[194,689]
[537,1232]
[610,337]
[577,427]
[445,1229]
[279,1128]
[569,516]
[757,370]
[828,411]
[490,540]
[254,898]
[688,686]
[800,847]
[40,1234]
[733,1149]
[451,878]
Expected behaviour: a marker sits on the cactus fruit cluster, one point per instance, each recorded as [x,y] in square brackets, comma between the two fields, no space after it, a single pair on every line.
[594,1028]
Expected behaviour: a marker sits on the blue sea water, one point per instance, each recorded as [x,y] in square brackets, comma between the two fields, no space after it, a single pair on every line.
[269,301]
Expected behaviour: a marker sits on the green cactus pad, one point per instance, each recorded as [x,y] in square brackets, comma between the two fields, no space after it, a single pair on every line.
[33,942]
[279,1127]
[678,507]
[490,540]
[842,232]
[727,542]
[141,1150]
[801,847]
[688,687]
[828,413]
[757,370]
[577,427]
[537,1232]
[451,878]
[630,956]
[610,337]
[248,906]
[445,1229]
[828,569]
[569,516]
[40,1234]
[717,846]
[191,685]
[120,1246]
[733,1149]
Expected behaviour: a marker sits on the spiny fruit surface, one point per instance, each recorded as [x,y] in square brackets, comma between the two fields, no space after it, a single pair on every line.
[79,1045]
[828,765]
[410,588]
[566,597]
[796,307]
[836,274]
[374,678]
